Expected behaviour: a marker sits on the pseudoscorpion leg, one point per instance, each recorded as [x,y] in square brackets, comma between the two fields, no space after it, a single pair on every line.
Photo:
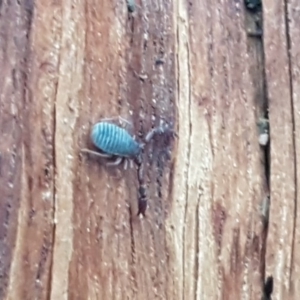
[95,153]
[142,200]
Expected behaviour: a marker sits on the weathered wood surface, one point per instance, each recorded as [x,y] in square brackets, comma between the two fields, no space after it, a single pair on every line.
[281,42]
[68,225]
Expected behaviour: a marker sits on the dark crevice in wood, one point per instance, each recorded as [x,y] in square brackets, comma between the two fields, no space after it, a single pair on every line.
[159,177]
[263,108]
[267,167]
[266,116]
[142,187]
[131,24]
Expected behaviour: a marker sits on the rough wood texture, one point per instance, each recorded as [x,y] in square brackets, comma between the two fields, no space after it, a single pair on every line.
[281,42]
[68,224]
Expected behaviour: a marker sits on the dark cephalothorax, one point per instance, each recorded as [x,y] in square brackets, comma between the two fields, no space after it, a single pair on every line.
[268,289]
[253,5]
[131,6]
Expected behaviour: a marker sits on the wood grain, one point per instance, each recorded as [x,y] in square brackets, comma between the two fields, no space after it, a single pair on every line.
[283,209]
[294,42]
[68,224]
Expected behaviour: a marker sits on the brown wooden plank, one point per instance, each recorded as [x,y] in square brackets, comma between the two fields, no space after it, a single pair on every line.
[27,160]
[69,228]
[282,181]
[223,231]
[293,15]
[111,253]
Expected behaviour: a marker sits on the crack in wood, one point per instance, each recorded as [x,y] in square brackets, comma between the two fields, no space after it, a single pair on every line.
[263,108]
[54,157]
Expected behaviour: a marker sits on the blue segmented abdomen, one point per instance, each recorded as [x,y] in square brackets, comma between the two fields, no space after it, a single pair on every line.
[115,140]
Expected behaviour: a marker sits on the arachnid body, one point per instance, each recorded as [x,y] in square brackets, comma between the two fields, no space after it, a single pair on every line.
[113,141]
